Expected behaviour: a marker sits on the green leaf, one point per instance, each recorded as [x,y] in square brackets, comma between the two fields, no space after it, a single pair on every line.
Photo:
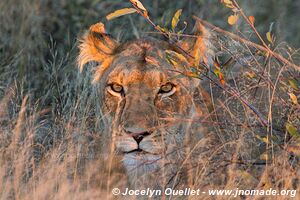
[269,33]
[228,3]
[174,54]
[164,30]
[175,18]
[192,74]
[175,58]
[293,98]
[121,12]
[138,4]
[269,37]
[264,139]
[294,84]
[232,19]
[292,130]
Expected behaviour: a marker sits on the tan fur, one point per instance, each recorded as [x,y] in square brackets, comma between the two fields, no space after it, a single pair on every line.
[97,46]
[141,67]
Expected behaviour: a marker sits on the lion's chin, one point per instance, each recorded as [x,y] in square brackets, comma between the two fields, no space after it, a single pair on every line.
[139,163]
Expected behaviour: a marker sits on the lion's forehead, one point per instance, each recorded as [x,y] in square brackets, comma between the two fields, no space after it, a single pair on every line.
[144,64]
[143,46]
[133,73]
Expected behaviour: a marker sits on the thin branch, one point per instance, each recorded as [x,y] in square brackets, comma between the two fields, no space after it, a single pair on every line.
[247,162]
[247,42]
[236,94]
[228,88]
[175,34]
[251,24]
[175,42]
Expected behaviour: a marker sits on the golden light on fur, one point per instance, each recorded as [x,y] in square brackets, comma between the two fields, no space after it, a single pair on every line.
[199,48]
[97,46]
[101,69]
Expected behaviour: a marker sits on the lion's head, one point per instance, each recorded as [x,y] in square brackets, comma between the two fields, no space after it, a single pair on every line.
[145,94]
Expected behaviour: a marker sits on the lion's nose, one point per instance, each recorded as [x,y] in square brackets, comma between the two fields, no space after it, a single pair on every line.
[140,136]
[137,133]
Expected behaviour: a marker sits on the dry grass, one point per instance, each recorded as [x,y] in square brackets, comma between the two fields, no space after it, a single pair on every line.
[53,134]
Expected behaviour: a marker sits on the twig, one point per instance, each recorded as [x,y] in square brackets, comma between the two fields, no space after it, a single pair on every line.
[246,162]
[251,24]
[231,90]
[247,42]
[176,34]
[236,94]
[175,42]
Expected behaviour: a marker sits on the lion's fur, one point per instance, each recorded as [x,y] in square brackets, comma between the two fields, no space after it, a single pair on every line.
[142,67]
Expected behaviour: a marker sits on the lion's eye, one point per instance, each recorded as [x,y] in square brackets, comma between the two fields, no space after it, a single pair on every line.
[167,88]
[116,88]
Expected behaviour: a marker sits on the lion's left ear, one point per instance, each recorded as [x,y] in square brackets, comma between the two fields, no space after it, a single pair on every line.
[96,45]
[199,47]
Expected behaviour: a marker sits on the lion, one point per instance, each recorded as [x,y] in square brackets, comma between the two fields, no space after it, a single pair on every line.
[150,100]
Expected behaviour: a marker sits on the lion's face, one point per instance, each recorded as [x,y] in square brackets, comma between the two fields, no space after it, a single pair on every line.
[146,103]
[144,97]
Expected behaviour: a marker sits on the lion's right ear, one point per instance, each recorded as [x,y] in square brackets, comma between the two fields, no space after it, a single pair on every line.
[199,47]
[96,45]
